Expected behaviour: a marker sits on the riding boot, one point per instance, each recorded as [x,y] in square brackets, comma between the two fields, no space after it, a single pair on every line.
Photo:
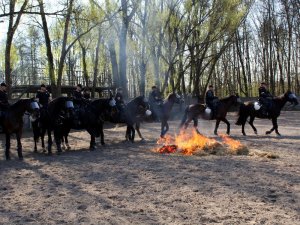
[264,111]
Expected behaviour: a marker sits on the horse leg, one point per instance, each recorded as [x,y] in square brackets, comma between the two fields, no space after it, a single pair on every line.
[57,138]
[63,146]
[67,142]
[196,125]
[243,129]
[43,139]
[164,128]
[186,124]
[252,125]
[19,145]
[217,126]
[102,134]
[276,126]
[7,147]
[133,134]
[50,142]
[35,145]
[137,127]
[127,135]
[162,133]
[92,143]
[228,125]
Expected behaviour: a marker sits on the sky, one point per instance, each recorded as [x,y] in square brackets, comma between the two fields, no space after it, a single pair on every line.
[50,6]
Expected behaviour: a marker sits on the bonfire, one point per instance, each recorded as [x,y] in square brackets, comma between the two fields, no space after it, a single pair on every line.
[193,143]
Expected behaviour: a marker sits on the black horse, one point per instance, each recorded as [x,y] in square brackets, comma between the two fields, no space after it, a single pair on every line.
[59,112]
[90,115]
[132,114]
[193,112]
[277,103]
[165,109]
[13,122]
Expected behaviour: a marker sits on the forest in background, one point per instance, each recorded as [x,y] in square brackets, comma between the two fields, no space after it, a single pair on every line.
[178,45]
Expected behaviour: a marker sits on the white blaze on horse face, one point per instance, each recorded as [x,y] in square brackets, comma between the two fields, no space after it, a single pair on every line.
[69,105]
[292,96]
[32,119]
[112,102]
[34,105]
[177,96]
[148,112]
[257,106]
[207,110]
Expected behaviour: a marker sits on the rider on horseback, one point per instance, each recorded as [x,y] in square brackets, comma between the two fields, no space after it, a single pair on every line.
[4,104]
[265,98]
[77,94]
[211,100]
[155,102]
[120,104]
[87,93]
[43,96]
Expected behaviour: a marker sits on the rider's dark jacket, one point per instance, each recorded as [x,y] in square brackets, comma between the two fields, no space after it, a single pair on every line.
[43,98]
[3,100]
[119,100]
[77,94]
[154,97]
[209,98]
[264,93]
[86,95]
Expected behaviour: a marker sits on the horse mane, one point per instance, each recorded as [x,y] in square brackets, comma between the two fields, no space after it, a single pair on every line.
[169,95]
[226,98]
[18,103]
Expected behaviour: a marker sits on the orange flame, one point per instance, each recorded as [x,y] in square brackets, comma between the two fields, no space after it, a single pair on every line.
[233,145]
[188,143]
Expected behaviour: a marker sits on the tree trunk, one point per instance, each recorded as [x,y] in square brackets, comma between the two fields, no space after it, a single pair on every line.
[48,48]
[114,63]
[63,49]
[12,26]
[96,64]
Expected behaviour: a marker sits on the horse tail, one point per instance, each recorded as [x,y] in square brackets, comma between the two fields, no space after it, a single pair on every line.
[243,114]
[184,118]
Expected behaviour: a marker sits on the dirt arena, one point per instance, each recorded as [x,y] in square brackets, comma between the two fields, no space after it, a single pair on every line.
[125,183]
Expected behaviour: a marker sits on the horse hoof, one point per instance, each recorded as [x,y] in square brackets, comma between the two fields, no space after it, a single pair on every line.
[44,150]
[68,148]
[268,132]
[59,152]
[278,134]
[143,139]
[92,148]
[216,133]
[49,153]
[255,132]
[8,158]
[35,151]
[244,134]
[21,158]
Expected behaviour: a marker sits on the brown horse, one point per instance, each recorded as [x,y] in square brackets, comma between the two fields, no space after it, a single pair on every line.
[193,112]
[248,109]
[13,122]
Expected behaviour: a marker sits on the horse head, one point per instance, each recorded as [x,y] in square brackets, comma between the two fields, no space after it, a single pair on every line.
[33,108]
[237,98]
[175,98]
[143,107]
[291,97]
[62,106]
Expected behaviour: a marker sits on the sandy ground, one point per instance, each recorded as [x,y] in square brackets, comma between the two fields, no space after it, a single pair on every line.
[125,183]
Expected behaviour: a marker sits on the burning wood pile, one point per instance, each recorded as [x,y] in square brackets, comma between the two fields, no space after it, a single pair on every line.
[192,143]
